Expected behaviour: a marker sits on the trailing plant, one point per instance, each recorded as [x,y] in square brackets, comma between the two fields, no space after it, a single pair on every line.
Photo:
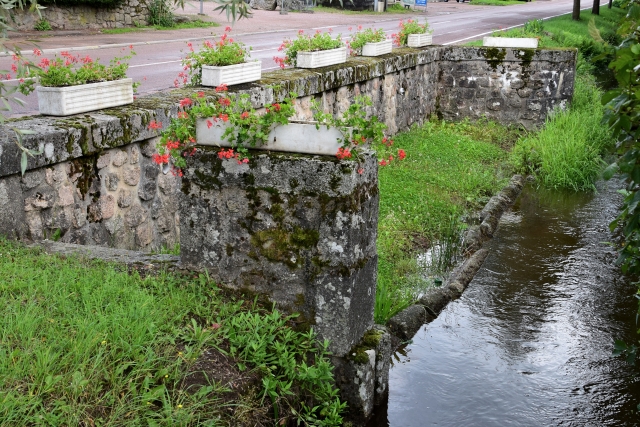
[220,53]
[409,27]
[360,38]
[361,131]
[247,128]
[306,43]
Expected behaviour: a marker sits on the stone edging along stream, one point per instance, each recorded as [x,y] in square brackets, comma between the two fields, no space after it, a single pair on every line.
[405,324]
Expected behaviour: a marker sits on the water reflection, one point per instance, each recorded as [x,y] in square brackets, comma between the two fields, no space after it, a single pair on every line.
[529,343]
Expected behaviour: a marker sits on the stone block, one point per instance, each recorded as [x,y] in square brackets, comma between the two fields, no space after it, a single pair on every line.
[299,229]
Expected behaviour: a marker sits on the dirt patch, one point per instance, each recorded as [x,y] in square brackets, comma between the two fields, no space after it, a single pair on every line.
[241,404]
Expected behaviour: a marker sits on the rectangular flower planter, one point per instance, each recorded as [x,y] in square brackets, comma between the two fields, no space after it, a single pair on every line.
[419,40]
[296,137]
[231,74]
[64,101]
[321,58]
[377,49]
[523,42]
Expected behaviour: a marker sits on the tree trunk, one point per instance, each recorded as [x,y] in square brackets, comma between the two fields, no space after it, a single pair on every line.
[609,6]
[595,9]
[576,10]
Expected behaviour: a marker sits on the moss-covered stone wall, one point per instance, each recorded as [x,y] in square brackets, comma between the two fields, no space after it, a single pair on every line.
[89,185]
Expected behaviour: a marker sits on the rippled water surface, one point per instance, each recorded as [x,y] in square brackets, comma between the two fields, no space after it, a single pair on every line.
[530,341]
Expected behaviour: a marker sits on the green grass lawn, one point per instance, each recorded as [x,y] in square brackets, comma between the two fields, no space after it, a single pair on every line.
[84,343]
[450,169]
[180,26]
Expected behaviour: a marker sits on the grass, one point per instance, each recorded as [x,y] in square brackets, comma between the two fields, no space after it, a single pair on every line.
[568,152]
[450,169]
[83,343]
[453,170]
[180,26]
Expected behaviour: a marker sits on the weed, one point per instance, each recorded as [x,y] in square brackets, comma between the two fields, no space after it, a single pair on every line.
[160,13]
[42,25]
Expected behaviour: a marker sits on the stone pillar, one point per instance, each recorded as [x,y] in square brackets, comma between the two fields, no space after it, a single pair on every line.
[298,229]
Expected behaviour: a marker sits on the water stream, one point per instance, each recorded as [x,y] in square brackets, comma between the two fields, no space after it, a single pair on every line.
[530,341]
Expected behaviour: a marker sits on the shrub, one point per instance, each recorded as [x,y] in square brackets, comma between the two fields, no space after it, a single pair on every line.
[160,13]
[42,25]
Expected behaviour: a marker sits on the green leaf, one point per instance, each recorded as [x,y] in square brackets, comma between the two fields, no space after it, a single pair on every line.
[610,171]
[23,162]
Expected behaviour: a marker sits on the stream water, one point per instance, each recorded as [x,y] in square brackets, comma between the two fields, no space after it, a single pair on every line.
[529,343]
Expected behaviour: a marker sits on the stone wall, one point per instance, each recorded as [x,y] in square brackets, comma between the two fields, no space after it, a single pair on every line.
[95,182]
[518,86]
[126,14]
[299,229]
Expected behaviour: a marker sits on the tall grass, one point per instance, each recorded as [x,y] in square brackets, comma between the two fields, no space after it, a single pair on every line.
[449,170]
[567,152]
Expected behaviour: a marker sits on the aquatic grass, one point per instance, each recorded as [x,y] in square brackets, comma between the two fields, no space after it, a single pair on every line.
[567,152]
[85,343]
[446,174]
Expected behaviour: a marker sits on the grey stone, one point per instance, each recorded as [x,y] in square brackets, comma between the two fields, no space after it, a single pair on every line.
[132,176]
[124,198]
[263,4]
[111,181]
[136,216]
[405,324]
[310,247]
[148,186]
[120,157]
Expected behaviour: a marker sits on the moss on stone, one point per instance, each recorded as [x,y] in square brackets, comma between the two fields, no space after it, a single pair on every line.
[369,341]
[285,246]
[494,56]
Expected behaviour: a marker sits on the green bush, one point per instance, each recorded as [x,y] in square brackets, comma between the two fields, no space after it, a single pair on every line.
[160,13]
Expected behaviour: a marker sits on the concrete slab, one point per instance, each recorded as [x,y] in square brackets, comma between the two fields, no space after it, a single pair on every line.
[530,43]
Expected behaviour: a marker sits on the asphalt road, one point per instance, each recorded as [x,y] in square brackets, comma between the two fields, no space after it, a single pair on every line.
[158,59]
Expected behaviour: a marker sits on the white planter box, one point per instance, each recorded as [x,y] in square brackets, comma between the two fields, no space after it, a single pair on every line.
[523,42]
[377,49]
[64,101]
[419,40]
[321,58]
[231,74]
[296,137]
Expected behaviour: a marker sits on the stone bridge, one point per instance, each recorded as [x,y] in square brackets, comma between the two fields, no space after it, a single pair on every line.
[95,184]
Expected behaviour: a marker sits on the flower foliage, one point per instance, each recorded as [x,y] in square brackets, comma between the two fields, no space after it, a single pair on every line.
[306,43]
[246,128]
[362,37]
[226,51]
[409,27]
[362,131]
[69,70]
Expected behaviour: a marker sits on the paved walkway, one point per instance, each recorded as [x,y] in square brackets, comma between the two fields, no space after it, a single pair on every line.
[261,22]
